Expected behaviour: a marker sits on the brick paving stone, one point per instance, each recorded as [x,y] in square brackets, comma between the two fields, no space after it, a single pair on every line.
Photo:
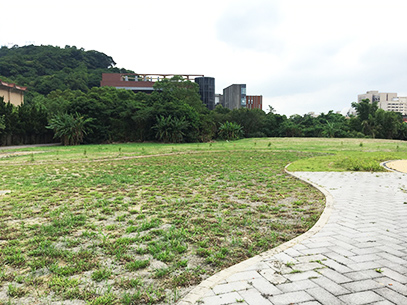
[371,265]
[362,285]
[256,267]
[307,266]
[392,258]
[284,257]
[315,251]
[227,298]
[253,297]
[363,251]
[363,275]
[318,244]
[392,295]
[311,258]
[265,287]
[337,266]
[324,296]
[341,259]
[331,286]
[385,302]
[365,257]
[302,276]
[394,275]
[359,298]
[291,297]
[230,287]
[342,251]
[273,277]
[392,284]
[296,286]
[293,253]
[389,265]
[334,276]
[243,276]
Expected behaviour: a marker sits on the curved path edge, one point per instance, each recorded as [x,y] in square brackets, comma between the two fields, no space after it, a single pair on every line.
[204,287]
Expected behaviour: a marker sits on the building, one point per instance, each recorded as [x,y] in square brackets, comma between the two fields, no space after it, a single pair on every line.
[254,101]
[234,96]
[137,82]
[12,93]
[218,99]
[207,90]
[145,83]
[386,101]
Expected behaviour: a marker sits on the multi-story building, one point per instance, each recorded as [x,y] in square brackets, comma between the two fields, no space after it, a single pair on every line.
[234,96]
[145,83]
[12,93]
[254,101]
[386,101]
[137,82]
[207,90]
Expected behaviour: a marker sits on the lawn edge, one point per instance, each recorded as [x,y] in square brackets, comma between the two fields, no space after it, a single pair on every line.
[204,287]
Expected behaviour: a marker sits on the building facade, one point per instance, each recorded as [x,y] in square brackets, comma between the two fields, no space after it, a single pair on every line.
[386,101]
[254,101]
[12,93]
[138,82]
[207,90]
[234,96]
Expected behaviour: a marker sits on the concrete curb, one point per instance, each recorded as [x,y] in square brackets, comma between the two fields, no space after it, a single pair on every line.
[384,164]
[205,287]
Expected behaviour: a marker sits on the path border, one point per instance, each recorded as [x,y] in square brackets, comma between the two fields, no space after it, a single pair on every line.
[204,287]
[384,164]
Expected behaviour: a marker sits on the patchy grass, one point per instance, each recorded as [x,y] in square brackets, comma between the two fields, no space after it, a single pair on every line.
[129,227]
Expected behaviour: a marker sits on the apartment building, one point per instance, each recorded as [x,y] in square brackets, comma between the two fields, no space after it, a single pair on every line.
[386,101]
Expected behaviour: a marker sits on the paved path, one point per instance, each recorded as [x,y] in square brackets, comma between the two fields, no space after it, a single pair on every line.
[396,165]
[358,257]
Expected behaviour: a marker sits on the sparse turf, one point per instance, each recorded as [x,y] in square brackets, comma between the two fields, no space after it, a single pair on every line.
[125,224]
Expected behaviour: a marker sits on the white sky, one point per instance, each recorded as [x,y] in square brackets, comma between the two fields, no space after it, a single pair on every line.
[302,56]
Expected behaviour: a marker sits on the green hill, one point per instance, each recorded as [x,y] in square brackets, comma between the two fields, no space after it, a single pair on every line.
[46,68]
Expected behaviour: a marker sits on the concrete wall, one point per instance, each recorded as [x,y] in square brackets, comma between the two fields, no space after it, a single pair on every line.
[234,96]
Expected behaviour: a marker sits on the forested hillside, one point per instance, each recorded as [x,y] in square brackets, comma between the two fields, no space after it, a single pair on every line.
[47,68]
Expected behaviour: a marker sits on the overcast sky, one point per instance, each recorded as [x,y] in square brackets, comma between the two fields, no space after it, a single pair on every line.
[302,56]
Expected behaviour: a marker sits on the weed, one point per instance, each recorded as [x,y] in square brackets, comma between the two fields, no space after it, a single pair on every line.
[101,274]
[15,292]
[296,271]
[137,264]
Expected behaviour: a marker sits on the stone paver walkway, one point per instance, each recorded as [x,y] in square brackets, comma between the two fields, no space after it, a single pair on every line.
[358,257]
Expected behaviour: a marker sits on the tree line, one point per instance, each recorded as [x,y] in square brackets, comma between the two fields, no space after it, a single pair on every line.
[64,106]
[174,113]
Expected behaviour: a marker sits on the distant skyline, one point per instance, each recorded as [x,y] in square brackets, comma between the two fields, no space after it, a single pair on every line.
[302,56]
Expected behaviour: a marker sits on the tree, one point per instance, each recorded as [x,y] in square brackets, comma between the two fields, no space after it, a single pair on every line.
[230,131]
[70,128]
[170,129]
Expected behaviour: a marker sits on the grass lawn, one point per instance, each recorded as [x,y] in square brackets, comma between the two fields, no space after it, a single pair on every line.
[143,223]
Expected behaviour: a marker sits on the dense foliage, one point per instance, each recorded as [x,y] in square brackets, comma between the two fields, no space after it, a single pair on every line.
[46,68]
[65,101]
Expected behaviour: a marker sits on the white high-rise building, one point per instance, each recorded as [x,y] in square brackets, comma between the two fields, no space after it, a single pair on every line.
[386,101]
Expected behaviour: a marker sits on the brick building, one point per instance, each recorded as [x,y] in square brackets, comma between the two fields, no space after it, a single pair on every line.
[254,101]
